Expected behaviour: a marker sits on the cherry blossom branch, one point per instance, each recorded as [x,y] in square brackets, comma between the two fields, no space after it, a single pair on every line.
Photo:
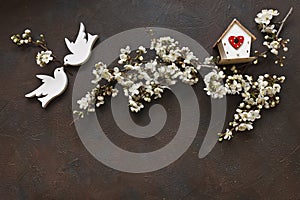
[44,47]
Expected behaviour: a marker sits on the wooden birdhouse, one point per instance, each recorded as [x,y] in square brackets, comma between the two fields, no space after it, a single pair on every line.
[234,44]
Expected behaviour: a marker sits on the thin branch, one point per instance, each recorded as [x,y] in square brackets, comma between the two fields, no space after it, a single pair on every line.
[46,49]
[283,21]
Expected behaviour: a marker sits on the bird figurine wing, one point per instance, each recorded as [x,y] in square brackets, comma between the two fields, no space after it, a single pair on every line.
[81,39]
[70,45]
[40,91]
[45,78]
[43,89]
[51,87]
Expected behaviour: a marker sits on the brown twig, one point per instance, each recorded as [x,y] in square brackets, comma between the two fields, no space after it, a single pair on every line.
[44,47]
[283,21]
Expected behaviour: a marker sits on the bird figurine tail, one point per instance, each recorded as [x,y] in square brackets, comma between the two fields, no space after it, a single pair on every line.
[31,94]
[91,39]
[45,100]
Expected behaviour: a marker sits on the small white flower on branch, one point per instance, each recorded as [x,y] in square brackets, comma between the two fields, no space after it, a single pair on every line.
[43,58]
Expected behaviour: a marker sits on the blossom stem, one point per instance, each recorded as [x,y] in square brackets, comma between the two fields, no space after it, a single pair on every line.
[44,47]
[283,21]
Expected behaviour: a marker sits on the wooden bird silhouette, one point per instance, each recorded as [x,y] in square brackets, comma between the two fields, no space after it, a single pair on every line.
[51,87]
[81,49]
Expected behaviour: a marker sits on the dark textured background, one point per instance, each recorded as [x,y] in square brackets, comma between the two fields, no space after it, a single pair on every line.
[42,157]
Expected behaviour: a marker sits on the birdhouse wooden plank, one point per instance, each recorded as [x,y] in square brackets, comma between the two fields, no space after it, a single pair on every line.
[235,44]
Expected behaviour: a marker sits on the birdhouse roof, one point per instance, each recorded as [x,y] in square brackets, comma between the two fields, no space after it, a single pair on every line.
[235,21]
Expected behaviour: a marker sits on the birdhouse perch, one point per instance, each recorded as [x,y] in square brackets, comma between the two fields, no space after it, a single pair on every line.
[234,44]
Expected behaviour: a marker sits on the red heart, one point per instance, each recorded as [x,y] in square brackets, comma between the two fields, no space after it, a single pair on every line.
[236,41]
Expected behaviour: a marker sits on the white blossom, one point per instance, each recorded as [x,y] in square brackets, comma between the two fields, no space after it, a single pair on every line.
[208,60]
[268,29]
[244,127]
[86,102]
[43,58]
[100,101]
[97,72]
[123,57]
[142,49]
[265,16]
[236,83]
[228,134]
[214,84]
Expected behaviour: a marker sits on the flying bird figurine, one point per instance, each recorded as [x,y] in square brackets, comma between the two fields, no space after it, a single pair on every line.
[51,87]
[81,48]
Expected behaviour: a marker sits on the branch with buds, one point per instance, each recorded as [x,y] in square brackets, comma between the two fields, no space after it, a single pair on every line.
[43,57]
[273,41]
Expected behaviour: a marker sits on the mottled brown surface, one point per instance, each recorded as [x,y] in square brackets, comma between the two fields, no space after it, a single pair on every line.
[42,157]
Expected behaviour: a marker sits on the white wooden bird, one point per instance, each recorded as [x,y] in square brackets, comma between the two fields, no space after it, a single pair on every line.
[81,49]
[51,87]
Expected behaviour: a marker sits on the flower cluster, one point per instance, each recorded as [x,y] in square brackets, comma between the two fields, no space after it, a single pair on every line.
[24,38]
[273,42]
[264,19]
[257,95]
[42,57]
[214,84]
[142,81]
